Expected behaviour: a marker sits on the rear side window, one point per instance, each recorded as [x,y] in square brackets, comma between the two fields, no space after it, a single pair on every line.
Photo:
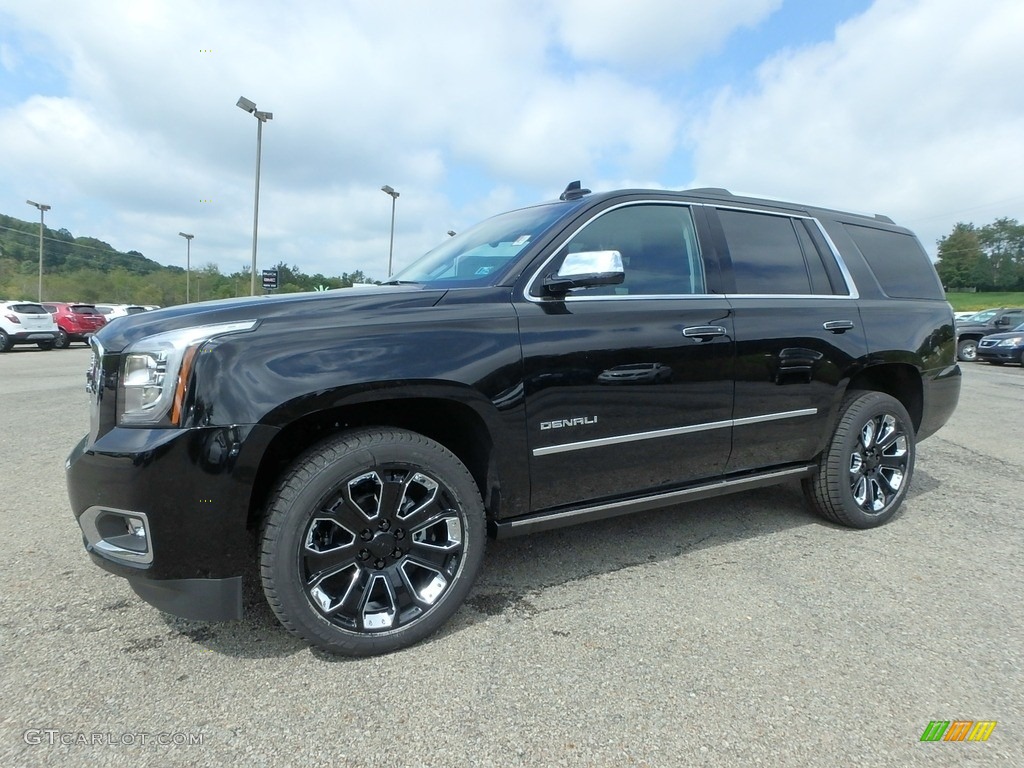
[900,264]
[772,255]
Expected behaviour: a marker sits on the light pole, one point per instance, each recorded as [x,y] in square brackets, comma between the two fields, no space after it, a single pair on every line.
[261,118]
[391,249]
[42,214]
[188,264]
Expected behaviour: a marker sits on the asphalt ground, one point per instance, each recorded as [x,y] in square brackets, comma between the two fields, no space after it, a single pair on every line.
[738,631]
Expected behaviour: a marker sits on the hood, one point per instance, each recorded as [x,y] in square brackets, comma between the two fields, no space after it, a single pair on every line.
[326,307]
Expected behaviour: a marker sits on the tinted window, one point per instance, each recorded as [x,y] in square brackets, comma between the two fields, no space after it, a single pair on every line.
[900,264]
[82,309]
[659,250]
[29,309]
[766,253]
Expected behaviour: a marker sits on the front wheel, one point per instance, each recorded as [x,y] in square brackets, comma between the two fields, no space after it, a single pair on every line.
[865,471]
[967,350]
[371,541]
[5,342]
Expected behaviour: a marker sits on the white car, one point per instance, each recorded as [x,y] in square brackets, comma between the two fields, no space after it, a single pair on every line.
[110,311]
[26,322]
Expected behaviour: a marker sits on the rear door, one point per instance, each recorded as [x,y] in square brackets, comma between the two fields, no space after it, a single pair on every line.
[798,333]
[629,387]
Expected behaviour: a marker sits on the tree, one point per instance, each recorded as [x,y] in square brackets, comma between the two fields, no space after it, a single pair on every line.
[960,257]
[1003,243]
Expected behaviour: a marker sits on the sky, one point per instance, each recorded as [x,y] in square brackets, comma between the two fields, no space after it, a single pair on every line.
[122,115]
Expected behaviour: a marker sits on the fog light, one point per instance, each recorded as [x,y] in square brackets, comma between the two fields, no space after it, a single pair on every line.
[118,534]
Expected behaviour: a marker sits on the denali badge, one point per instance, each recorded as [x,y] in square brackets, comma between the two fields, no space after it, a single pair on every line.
[579,421]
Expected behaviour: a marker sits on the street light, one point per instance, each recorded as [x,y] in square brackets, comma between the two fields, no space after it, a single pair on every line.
[188,263]
[42,214]
[261,117]
[394,196]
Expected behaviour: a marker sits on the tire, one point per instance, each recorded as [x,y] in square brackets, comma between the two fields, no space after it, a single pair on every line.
[46,346]
[62,341]
[865,471]
[967,350]
[371,541]
[5,342]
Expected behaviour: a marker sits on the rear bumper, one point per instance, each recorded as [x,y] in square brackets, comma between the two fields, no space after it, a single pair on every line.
[940,399]
[31,337]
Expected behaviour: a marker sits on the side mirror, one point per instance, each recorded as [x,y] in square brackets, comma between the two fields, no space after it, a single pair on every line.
[586,269]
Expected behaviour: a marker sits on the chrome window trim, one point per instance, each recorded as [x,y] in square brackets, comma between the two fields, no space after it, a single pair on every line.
[670,432]
[851,286]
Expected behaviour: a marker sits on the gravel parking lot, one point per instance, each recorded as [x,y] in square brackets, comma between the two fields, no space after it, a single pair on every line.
[739,631]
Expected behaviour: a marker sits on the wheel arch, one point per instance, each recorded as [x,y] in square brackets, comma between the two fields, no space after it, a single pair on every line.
[453,422]
[900,380]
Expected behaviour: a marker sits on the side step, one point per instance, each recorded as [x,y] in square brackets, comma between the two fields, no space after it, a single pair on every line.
[545,521]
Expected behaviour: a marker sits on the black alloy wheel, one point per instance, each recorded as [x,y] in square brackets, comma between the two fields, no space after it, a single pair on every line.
[5,342]
[865,472]
[62,341]
[371,541]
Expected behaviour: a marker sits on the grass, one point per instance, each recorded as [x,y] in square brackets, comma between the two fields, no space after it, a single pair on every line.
[963,302]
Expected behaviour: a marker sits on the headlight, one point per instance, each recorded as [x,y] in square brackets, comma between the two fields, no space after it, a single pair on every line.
[155,370]
[1013,341]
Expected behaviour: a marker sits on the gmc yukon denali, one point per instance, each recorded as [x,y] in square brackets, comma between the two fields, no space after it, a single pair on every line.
[598,355]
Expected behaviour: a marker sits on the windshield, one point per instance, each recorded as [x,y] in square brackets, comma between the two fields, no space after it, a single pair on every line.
[981,317]
[482,253]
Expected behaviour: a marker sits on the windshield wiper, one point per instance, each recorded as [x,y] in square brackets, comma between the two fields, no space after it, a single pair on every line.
[401,282]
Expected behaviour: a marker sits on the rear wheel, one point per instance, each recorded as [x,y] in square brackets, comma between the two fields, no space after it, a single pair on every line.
[46,346]
[865,472]
[371,541]
[62,341]
[967,350]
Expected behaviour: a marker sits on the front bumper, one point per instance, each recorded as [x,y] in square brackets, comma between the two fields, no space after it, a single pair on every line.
[1000,354]
[167,509]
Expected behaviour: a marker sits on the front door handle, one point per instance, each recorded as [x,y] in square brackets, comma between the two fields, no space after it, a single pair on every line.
[703,332]
[837,326]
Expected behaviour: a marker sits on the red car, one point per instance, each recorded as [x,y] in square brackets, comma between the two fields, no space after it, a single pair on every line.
[75,322]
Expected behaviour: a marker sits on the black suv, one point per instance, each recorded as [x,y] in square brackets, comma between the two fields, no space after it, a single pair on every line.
[598,355]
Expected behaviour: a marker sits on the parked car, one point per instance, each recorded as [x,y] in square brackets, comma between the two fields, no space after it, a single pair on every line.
[971,330]
[370,438]
[999,348]
[26,322]
[110,311]
[75,322]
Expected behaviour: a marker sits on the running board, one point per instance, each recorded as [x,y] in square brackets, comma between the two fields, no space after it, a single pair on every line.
[544,521]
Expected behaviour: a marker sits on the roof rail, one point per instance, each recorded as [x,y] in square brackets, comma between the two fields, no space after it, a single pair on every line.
[710,191]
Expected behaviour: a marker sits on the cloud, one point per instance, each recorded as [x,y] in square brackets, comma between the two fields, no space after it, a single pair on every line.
[663,35]
[912,110]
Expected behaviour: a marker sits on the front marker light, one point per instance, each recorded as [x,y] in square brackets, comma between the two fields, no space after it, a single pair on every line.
[154,372]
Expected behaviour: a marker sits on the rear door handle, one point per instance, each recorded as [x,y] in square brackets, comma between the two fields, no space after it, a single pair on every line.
[837,326]
[703,332]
